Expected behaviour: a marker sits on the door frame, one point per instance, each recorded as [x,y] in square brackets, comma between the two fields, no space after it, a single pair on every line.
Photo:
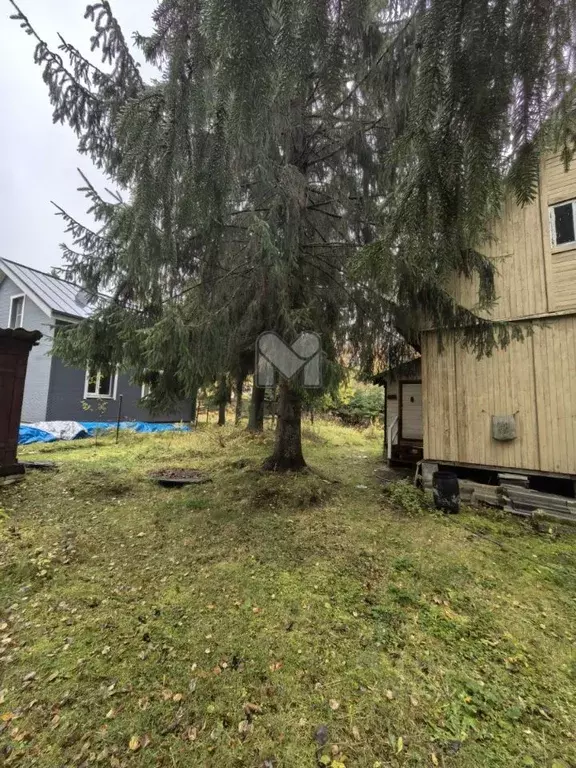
[401,383]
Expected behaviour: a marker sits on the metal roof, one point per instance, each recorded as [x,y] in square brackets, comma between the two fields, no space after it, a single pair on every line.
[60,296]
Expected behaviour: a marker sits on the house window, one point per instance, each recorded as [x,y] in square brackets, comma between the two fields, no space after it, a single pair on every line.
[562,224]
[100,385]
[16,319]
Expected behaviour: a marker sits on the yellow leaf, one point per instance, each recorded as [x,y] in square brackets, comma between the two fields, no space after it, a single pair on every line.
[7,716]
[399,745]
[434,759]
[177,697]
[134,743]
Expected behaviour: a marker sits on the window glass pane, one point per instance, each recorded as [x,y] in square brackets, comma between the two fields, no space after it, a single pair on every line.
[92,383]
[105,387]
[564,220]
[16,313]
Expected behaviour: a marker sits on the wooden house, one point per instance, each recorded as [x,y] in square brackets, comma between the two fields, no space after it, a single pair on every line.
[514,410]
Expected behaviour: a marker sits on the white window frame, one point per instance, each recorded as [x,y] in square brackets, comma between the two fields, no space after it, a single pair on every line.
[12,300]
[94,395]
[562,246]
[147,388]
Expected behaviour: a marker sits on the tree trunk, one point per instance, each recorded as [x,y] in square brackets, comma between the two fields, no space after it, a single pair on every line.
[239,388]
[222,401]
[256,418]
[288,447]
[194,405]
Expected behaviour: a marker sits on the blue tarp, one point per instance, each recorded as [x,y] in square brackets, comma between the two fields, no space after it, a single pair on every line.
[29,434]
[135,426]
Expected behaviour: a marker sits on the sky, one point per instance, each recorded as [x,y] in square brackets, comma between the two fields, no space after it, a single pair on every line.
[38,160]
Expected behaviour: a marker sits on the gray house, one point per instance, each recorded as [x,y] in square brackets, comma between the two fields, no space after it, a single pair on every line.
[37,301]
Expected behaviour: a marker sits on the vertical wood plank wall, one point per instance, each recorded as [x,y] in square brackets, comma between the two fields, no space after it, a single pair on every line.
[534,379]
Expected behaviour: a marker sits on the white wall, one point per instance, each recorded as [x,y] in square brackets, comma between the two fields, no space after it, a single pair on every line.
[39,362]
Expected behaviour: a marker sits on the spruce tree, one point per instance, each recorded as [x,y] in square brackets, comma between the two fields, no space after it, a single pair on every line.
[300,165]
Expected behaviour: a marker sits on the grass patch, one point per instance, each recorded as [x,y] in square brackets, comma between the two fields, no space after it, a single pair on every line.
[285,621]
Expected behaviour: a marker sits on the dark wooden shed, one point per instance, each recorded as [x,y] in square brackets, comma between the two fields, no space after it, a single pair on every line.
[15,346]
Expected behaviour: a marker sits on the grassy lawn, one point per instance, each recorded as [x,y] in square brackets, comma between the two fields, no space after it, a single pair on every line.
[264,621]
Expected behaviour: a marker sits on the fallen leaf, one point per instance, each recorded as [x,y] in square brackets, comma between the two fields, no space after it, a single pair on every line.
[434,759]
[275,666]
[55,720]
[52,677]
[414,701]
[256,609]
[7,716]
[356,732]
[191,734]
[167,694]
[334,705]
[252,709]
[29,676]
[325,760]
[399,745]
[143,703]
[389,695]
[244,728]
[177,697]
[110,714]
[106,650]
[134,744]
[217,670]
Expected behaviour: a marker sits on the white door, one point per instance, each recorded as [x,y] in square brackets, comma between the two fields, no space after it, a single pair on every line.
[412,427]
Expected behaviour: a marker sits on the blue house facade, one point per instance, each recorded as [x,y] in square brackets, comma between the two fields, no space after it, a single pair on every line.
[36,301]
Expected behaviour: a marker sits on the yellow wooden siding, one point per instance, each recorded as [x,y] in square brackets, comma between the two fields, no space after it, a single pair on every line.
[534,379]
[411,411]
[533,278]
[560,184]
[555,369]
[520,277]
[439,398]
